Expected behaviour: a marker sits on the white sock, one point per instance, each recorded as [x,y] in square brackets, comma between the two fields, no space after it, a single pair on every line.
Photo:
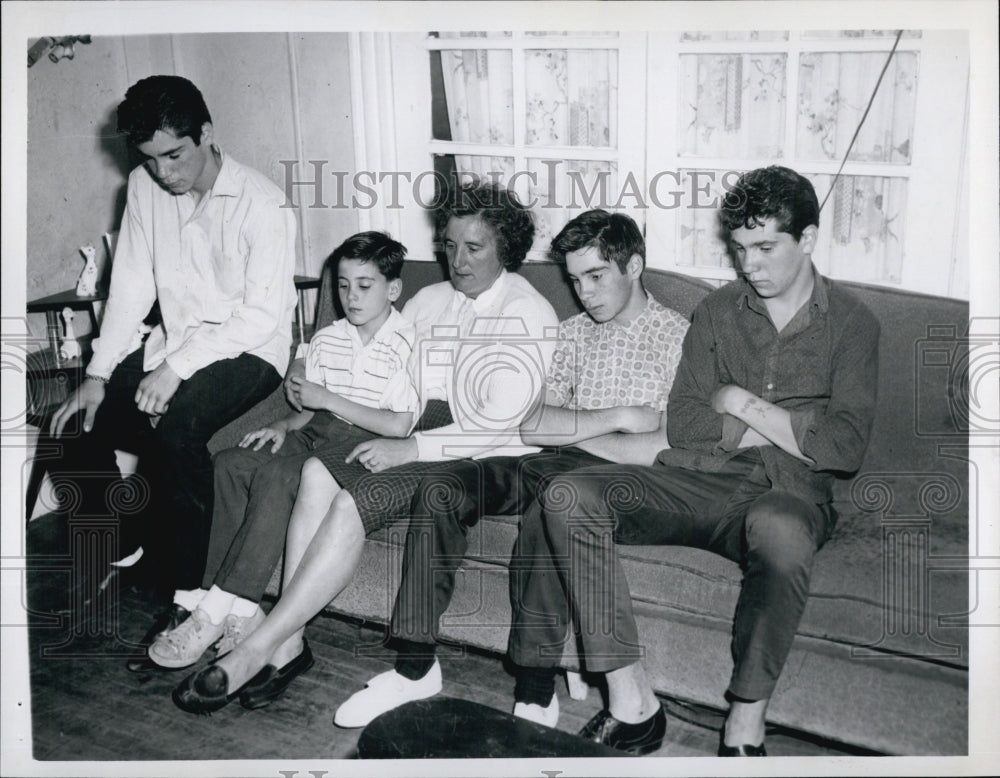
[244,608]
[189,598]
[217,604]
[129,560]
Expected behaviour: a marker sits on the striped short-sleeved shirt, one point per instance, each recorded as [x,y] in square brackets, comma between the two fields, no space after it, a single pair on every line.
[608,365]
[373,374]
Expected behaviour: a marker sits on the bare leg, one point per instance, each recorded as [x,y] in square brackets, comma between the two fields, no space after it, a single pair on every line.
[316,492]
[326,567]
[745,723]
[630,696]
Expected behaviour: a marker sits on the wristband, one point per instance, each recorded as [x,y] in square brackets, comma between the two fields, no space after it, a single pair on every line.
[93,377]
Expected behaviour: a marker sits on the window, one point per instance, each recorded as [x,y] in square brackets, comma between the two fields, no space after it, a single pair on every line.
[541,112]
[796,98]
[657,124]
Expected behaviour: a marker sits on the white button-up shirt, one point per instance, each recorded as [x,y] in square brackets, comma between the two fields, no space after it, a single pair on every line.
[222,269]
[487,358]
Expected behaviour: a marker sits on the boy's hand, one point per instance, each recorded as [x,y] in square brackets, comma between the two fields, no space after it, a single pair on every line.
[636,419]
[276,433]
[312,396]
[296,370]
[382,453]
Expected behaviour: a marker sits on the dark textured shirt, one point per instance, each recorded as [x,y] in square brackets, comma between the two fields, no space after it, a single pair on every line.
[822,368]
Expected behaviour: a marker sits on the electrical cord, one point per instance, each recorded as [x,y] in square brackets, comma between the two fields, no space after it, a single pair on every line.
[857,130]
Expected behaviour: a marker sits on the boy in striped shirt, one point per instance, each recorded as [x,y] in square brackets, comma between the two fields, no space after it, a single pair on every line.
[356,387]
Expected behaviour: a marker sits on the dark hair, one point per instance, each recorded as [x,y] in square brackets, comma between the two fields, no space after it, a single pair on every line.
[771,193]
[501,210]
[615,235]
[377,247]
[162,103]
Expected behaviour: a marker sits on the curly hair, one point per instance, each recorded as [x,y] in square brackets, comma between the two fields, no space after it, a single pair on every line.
[774,192]
[615,235]
[162,103]
[500,209]
[372,246]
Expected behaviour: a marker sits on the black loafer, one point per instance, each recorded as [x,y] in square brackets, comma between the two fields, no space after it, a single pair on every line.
[170,619]
[636,739]
[270,683]
[205,691]
[744,750]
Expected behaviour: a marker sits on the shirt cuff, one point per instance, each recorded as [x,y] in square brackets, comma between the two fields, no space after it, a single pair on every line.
[733,430]
[181,366]
[803,428]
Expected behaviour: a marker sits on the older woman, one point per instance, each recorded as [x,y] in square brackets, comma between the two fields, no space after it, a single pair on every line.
[481,355]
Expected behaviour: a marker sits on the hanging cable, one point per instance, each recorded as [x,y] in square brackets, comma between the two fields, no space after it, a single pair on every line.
[857,130]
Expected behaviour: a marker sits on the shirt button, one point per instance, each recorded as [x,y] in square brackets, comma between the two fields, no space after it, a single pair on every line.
[770,386]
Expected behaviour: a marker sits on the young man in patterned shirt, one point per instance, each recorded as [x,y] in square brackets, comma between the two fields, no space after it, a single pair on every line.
[605,400]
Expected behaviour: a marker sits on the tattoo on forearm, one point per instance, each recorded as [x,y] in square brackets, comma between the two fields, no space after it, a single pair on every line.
[752,405]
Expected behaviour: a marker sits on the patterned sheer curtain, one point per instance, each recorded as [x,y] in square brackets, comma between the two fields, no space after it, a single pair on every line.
[570,99]
[735,106]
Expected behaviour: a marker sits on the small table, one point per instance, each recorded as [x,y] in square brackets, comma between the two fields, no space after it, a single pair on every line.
[54,303]
[301,284]
[449,728]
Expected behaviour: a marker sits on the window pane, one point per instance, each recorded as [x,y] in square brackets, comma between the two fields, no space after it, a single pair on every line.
[862,226]
[833,92]
[572,97]
[563,34]
[470,34]
[490,169]
[479,94]
[700,244]
[732,105]
[561,189]
[859,34]
[775,35]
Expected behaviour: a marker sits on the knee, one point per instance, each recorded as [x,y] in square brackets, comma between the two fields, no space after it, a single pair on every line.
[779,535]
[448,498]
[229,459]
[314,474]
[279,473]
[182,434]
[345,519]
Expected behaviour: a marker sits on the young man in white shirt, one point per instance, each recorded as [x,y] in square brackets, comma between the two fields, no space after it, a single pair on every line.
[207,239]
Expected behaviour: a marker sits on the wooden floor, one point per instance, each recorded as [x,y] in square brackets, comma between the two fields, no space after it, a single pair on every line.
[87,706]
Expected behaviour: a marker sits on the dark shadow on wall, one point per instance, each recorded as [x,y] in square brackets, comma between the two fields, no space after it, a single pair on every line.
[114,147]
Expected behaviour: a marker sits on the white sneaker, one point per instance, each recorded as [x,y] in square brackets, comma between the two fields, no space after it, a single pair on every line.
[184,646]
[531,711]
[384,692]
[236,629]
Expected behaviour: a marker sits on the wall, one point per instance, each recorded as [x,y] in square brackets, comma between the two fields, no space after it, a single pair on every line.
[273,97]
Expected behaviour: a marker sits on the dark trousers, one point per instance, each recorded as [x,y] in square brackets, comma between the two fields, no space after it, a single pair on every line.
[570,541]
[166,506]
[446,505]
[254,495]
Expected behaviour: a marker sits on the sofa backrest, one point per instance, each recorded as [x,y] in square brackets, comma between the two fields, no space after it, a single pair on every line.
[923,390]
[676,291]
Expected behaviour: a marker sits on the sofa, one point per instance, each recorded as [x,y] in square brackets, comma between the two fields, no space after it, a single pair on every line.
[880,661]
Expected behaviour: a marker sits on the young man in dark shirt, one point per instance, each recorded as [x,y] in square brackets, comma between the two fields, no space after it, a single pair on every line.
[774,396]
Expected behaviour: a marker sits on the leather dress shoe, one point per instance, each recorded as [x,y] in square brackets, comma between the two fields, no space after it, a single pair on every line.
[636,739]
[170,619]
[270,683]
[205,691]
[744,750]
